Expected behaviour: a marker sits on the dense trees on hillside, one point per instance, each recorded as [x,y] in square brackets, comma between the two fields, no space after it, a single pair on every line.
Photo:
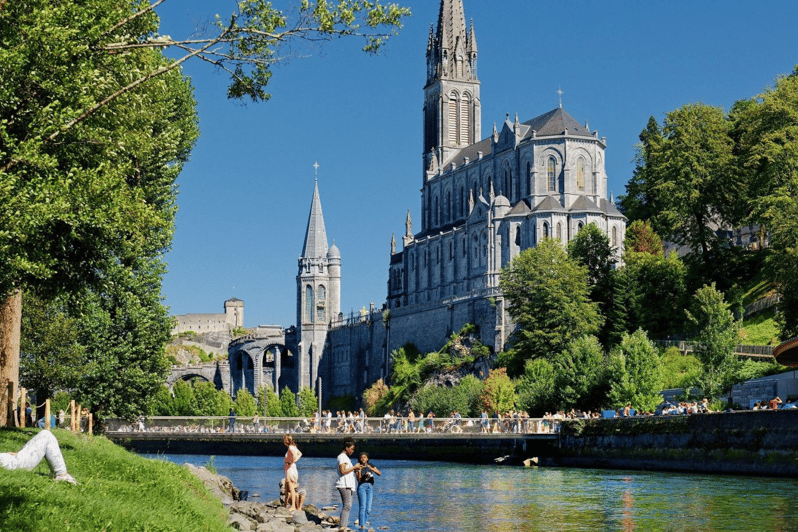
[703,169]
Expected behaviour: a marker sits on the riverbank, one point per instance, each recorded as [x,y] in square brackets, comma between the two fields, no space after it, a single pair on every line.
[116,491]
[740,443]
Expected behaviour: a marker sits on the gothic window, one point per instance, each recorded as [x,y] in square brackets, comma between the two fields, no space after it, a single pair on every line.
[614,236]
[550,173]
[448,216]
[453,129]
[309,303]
[465,120]
[460,207]
[527,179]
[580,174]
[506,187]
[559,231]
[545,230]
[435,211]
[451,250]
[518,235]
[437,255]
[580,227]
[475,254]
[464,247]
[321,297]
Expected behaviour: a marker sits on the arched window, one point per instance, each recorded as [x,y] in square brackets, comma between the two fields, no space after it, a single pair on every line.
[453,129]
[506,187]
[461,203]
[559,231]
[550,172]
[518,235]
[465,248]
[545,230]
[580,174]
[437,254]
[614,236]
[580,227]
[527,180]
[321,297]
[465,120]
[448,216]
[309,303]
[435,211]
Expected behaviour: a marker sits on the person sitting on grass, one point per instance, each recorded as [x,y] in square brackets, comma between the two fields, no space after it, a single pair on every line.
[43,445]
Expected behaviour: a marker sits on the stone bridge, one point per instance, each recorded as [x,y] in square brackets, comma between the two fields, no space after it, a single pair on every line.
[264,358]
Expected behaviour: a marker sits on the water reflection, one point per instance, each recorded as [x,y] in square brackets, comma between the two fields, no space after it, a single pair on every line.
[434,496]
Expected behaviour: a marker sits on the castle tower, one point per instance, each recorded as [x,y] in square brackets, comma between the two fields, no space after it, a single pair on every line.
[452,110]
[318,294]
[234,312]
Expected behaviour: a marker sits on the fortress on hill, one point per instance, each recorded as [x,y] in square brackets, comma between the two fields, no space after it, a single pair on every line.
[483,201]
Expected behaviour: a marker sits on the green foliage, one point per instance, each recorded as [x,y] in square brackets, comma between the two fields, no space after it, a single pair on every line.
[60,401]
[580,374]
[373,396]
[245,403]
[308,402]
[239,331]
[288,403]
[537,386]
[547,294]
[50,356]
[657,293]
[637,379]
[273,405]
[404,373]
[184,401]
[678,370]
[110,494]
[498,392]
[767,130]
[753,369]
[344,402]
[641,238]
[442,400]
[210,401]
[715,341]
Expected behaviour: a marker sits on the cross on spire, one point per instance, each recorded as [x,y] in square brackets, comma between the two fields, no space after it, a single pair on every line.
[316,166]
[560,92]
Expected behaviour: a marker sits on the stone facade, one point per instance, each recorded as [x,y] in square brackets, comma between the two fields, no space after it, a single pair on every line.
[232,318]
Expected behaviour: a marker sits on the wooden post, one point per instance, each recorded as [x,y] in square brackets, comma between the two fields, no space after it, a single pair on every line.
[72,415]
[47,414]
[90,423]
[79,417]
[23,393]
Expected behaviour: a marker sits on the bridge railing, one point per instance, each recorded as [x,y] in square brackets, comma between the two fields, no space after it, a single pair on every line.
[369,425]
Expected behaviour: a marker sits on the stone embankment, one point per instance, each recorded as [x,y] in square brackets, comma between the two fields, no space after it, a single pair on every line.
[741,443]
[263,517]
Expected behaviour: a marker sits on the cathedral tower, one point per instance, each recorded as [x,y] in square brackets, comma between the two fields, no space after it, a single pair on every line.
[318,294]
[452,111]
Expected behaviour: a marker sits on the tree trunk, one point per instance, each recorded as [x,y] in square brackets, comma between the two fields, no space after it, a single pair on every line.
[10,323]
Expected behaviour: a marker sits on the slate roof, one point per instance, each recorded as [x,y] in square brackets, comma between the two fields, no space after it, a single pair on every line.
[553,123]
[522,207]
[609,208]
[585,204]
[549,204]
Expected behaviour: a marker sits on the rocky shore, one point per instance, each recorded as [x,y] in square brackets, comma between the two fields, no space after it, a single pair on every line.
[264,517]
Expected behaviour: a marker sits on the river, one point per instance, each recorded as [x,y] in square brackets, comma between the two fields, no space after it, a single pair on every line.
[438,496]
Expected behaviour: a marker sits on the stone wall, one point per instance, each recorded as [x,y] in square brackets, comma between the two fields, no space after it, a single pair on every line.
[757,443]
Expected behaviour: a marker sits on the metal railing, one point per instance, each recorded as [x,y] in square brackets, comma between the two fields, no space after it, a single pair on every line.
[368,425]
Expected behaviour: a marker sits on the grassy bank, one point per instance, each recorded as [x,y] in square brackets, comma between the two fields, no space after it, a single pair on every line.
[117,491]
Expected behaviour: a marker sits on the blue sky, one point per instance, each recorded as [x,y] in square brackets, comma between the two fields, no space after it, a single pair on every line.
[245,195]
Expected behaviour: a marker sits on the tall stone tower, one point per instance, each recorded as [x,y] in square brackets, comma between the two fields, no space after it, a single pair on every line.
[318,294]
[452,110]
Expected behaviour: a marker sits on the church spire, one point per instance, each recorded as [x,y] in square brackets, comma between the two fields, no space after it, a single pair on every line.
[451,54]
[315,235]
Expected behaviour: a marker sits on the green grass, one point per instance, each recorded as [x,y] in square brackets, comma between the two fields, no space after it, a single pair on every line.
[760,329]
[116,491]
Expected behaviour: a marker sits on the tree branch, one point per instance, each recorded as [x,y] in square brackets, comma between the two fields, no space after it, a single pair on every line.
[131,17]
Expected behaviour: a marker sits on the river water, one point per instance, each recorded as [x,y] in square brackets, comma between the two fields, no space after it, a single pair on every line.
[427,496]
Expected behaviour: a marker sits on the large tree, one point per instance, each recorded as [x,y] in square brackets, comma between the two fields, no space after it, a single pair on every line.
[714,340]
[767,128]
[78,82]
[548,298]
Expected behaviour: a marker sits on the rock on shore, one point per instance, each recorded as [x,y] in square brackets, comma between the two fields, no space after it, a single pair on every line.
[263,517]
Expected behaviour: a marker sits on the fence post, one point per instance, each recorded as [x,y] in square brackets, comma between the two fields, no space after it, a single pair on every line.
[72,415]
[47,414]
[23,393]
[90,423]
[79,415]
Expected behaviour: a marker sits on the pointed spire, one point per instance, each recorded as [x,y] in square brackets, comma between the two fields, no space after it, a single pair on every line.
[408,225]
[393,243]
[470,201]
[472,39]
[453,50]
[315,235]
